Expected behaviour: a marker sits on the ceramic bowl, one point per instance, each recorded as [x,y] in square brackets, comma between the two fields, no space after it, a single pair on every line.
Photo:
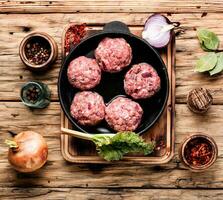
[37,36]
[205,138]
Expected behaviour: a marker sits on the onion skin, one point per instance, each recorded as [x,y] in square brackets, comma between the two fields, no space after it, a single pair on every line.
[31,153]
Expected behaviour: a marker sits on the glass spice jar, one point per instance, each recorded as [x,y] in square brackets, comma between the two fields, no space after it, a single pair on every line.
[35,94]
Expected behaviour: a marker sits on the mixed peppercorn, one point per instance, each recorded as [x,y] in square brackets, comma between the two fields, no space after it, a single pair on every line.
[37,51]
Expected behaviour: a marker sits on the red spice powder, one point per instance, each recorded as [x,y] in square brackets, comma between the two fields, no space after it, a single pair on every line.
[73,36]
[198,152]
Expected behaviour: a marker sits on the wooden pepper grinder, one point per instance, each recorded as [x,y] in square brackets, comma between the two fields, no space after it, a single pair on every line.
[199,100]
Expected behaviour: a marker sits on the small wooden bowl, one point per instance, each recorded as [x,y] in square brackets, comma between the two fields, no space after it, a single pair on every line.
[35,36]
[208,140]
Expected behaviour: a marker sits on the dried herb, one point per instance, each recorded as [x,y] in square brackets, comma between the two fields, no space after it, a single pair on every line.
[219,66]
[73,36]
[206,62]
[198,152]
[208,40]
[212,62]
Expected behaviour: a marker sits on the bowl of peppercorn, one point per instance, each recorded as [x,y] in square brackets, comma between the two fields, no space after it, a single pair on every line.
[198,152]
[38,51]
[35,94]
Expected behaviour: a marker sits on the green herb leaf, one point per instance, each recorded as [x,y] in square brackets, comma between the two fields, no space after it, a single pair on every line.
[113,148]
[219,66]
[206,62]
[208,39]
[100,140]
[204,48]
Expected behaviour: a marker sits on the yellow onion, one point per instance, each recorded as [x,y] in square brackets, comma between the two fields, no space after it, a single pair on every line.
[28,151]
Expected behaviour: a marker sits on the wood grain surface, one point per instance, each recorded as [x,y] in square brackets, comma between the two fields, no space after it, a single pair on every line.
[45,6]
[61,180]
[110,194]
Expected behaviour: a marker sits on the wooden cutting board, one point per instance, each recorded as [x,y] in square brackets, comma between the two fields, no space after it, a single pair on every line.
[76,150]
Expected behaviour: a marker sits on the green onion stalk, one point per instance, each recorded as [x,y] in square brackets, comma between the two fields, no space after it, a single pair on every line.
[113,147]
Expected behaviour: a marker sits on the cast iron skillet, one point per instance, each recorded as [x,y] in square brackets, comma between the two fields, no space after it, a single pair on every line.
[111,85]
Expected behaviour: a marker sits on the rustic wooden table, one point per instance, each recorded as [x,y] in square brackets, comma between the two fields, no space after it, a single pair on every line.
[61,180]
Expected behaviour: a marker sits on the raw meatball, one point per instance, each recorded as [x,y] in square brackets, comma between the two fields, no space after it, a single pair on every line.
[84,73]
[141,81]
[123,114]
[113,54]
[88,108]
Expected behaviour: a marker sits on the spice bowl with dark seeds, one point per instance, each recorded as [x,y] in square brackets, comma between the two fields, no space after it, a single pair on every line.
[35,94]
[198,152]
[38,51]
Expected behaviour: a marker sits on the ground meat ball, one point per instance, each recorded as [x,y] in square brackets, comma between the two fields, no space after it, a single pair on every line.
[113,54]
[88,108]
[123,114]
[141,81]
[84,73]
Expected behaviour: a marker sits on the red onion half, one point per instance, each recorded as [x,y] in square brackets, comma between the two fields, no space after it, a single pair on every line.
[157,31]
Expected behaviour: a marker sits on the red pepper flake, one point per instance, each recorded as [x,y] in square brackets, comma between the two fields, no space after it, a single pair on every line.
[198,152]
[74,35]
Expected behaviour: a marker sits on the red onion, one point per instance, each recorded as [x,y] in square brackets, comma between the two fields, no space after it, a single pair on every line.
[157,31]
[27,151]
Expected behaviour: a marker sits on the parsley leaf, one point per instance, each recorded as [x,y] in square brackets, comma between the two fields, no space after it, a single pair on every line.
[113,148]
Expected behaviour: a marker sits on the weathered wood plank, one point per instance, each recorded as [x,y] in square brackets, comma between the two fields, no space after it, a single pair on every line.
[14,74]
[45,6]
[108,194]
[58,173]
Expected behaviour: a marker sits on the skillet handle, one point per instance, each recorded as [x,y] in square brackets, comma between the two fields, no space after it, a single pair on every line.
[116,26]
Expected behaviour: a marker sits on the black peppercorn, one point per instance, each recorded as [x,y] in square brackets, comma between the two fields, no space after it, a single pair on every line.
[35,94]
